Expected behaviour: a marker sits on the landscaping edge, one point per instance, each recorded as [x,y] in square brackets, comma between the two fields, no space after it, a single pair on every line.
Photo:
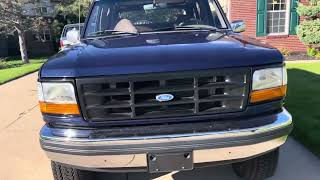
[15,78]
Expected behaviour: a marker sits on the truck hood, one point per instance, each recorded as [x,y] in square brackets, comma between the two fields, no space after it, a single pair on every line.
[162,52]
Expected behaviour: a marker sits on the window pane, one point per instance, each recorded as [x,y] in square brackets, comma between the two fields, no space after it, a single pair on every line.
[42,36]
[44,9]
[36,37]
[148,16]
[269,25]
[270,1]
[282,15]
[275,30]
[47,37]
[276,16]
[274,23]
[276,5]
[270,16]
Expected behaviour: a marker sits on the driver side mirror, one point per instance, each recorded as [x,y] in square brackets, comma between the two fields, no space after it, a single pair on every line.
[73,36]
[238,26]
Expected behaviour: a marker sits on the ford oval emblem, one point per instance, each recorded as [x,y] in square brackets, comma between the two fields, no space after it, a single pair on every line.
[153,41]
[164,97]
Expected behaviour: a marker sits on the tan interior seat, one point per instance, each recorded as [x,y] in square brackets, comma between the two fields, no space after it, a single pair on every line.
[125,25]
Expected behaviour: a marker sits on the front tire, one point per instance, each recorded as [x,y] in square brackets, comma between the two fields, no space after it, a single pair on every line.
[63,172]
[258,168]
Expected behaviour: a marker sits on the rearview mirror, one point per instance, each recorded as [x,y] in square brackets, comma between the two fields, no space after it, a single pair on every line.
[73,36]
[238,26]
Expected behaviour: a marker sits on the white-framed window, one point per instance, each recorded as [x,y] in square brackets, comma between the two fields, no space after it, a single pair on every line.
[278,12]
[42,36]
[42,10]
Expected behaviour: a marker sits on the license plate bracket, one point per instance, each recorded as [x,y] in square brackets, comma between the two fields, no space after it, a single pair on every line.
[168,162]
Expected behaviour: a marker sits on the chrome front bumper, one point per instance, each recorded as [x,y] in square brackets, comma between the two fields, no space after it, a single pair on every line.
[131,152]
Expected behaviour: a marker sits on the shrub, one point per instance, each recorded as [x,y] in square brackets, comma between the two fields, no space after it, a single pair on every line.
[2,65]
[314,2]
[313,52]
[3,62]
[309,30]
[285,51]
[311,12]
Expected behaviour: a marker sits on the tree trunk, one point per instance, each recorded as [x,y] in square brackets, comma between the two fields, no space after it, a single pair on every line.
[23,47]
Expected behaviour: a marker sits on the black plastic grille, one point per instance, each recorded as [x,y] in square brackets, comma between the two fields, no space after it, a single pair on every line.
[132,97]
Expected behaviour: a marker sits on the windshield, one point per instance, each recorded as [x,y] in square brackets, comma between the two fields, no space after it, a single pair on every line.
[139,16]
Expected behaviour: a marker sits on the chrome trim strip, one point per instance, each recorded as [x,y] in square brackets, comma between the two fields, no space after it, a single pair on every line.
[140,160]
[283,120]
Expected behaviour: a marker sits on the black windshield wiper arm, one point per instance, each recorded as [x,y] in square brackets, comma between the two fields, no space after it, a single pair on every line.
[188,27]
[197,27]
[111,32]
[165,28]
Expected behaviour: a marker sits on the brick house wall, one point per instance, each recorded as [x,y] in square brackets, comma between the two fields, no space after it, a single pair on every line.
[247,11]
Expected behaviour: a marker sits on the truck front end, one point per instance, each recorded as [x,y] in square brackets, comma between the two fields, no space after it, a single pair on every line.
[163,93]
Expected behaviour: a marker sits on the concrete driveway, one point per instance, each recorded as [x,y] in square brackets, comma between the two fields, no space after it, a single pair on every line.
[22,159]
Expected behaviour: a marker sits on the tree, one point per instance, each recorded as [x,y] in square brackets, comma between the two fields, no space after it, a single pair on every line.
[70,11]
[15,17]
[309,29]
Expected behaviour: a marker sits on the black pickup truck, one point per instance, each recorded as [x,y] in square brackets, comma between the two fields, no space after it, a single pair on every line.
[161,86]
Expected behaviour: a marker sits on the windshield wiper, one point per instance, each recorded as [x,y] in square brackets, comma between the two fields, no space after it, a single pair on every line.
[169,28]
[110,33]
[188,27]
[197,27]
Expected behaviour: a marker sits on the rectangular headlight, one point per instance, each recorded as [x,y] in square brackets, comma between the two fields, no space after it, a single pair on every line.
[268,84]
[57,98]
[269,78]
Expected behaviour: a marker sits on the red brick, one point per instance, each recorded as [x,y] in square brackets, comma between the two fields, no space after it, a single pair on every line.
[246,10]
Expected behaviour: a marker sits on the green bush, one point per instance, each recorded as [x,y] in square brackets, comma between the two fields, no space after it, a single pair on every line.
[309,32]
[314,2]
[2,65]
[309,11]
[313,52]
[285,52]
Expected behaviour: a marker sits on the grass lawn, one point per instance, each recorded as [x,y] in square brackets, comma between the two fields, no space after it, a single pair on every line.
[303,102]
[14,68]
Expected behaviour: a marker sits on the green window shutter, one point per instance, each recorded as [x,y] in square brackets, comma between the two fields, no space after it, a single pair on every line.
[294,17]
[261,18]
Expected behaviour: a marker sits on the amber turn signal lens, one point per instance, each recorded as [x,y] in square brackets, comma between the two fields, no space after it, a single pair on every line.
[268,94]
[50,108]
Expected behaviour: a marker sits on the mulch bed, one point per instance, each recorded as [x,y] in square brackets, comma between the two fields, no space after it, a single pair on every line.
[300,57]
